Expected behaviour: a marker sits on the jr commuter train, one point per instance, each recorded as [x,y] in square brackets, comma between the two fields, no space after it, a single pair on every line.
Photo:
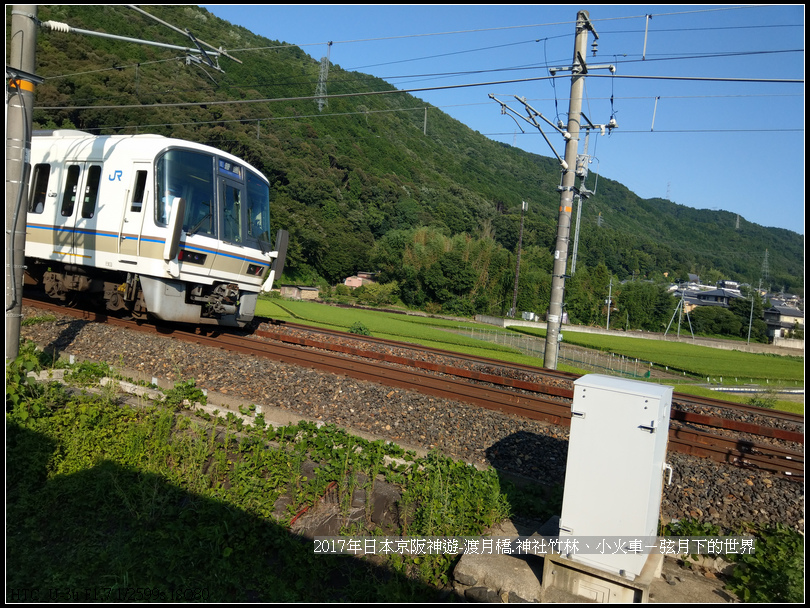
[151,226]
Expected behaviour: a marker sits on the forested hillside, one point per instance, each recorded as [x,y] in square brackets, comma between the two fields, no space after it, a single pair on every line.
[360,185]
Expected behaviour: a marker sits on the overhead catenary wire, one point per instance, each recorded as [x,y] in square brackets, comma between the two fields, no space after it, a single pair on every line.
[552,82]
[425,89]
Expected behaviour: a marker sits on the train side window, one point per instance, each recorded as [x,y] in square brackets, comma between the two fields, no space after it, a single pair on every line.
[69,193]
[39,191]
[138,192]
[91,191]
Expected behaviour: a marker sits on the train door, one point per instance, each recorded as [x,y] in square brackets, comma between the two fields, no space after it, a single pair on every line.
[75,235]
[132,215]
[233,227]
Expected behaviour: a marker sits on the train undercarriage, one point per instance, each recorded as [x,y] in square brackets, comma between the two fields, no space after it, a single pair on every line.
[140,297]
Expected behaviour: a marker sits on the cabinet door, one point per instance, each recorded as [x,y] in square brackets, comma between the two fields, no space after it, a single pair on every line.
[614,468]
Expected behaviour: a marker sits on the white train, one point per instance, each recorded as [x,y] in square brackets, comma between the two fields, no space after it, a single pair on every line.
[153,226]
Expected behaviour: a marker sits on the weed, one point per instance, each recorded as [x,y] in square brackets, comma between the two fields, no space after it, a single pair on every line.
[88,373]
[259,421]
[766,400]
[359,329]
[36,320]
[774,572]
[25,396]
[689,527]
[184,392]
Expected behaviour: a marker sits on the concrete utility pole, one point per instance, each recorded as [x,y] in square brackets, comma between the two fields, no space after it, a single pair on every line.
[555,311]
[570,172]
[19,109]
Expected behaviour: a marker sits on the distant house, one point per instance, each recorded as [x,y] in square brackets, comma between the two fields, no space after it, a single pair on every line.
[361,278]
[690,300]
[717,297]
[782,320]
[785,299]
[296,292]
[692,296]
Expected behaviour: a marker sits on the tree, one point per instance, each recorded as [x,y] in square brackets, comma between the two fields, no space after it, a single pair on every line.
[586,293]
[645,305]
[378,294]
[716,321]
[750,312]
[346,253]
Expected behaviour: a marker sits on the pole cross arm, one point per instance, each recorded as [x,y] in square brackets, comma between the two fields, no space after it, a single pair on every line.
[531,120]
[584,67]
[202,51]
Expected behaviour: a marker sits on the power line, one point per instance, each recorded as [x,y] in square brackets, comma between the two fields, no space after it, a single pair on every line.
[485,48]
[424,89]
[648,132]
[454,73]
[489,29]
[263,119]
[703,29]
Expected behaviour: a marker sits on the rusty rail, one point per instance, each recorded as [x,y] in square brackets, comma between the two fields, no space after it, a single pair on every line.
[546,400]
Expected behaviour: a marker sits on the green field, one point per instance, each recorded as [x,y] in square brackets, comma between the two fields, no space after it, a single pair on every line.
[698,363]
[424,331]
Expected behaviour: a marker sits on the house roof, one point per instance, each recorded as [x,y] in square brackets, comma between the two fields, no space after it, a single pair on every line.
[787,311]
[720,293]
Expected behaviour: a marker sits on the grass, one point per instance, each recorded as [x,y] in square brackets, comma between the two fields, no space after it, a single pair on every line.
[423,331]
[697,362]
[772,397]
[148,503]
[118,502]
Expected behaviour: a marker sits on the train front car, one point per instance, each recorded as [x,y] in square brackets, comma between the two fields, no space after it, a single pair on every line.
[152,226]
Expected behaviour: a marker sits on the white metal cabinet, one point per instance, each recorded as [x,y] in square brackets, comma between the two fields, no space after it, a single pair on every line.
[615,466]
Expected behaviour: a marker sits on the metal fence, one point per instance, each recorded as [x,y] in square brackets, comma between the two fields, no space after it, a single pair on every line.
[589,360]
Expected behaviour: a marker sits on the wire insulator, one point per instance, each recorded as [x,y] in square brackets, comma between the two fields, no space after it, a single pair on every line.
[56,26]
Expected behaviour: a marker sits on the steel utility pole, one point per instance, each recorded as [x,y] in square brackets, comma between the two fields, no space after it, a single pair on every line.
[19,109]
[558,276]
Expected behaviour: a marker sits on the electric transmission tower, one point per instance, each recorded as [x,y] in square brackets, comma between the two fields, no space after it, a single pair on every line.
[320,92]
[765,272]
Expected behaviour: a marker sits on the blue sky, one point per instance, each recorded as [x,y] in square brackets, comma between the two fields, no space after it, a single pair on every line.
[731,145]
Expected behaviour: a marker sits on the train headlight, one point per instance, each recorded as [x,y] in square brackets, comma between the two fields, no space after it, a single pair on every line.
[256,270]
[191,257]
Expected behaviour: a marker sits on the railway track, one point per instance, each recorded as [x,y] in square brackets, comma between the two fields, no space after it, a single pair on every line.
[525,391]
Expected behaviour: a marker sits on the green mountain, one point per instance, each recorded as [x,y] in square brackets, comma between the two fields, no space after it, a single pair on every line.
[360,185]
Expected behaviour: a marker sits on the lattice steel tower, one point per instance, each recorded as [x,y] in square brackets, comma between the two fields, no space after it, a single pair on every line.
[320,92]
[765,271]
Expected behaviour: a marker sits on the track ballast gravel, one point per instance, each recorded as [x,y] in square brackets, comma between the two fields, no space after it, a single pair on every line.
[719,494]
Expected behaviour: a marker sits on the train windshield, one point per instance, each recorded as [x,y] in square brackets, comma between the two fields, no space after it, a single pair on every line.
[243,213]
[190,175]
[258,206]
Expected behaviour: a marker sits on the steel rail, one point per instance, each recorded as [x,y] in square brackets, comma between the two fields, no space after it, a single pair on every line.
[697,443]
[553,375]
[543,387]
[403,374]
